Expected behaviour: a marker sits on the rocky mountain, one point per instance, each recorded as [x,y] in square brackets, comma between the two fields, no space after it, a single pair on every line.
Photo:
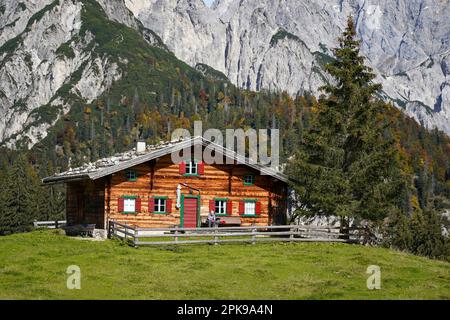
[283,44]
[56,55]
[56,52]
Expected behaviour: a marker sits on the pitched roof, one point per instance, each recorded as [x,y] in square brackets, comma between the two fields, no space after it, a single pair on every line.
[121,161]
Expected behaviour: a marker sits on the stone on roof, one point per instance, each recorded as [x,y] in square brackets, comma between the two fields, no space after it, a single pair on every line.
[116,159]
[127,159]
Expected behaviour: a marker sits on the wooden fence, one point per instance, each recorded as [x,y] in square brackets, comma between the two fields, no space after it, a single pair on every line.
[137,236]
[50,224]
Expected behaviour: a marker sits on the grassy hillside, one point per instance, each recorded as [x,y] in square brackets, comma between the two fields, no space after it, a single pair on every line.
[33,266]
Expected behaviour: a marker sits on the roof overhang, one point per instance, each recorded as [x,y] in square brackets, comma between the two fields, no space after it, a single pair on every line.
[162,152]
[64,179]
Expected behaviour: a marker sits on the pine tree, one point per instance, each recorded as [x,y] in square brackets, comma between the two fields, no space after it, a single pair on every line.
[347,164]
[20,203]
[398,234]
[4,173]
[427,238]
[51,199]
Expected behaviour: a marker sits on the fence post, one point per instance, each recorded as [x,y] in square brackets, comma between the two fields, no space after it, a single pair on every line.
[56,224]
[135,239]
[292,228]
[114,229]
[176,233]
[215,236]
[253,236]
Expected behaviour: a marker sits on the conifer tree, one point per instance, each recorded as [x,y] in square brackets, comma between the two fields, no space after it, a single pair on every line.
[347,164]
[427,238]
[3,209]
[20,203]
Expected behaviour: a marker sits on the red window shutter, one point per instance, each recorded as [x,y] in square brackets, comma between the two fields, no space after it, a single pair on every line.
[258,207]
[229,207]
[138,204]
[182,167]
[151,205]
[241,207]
[168,206]
[212,206]
[201,168]
[120,205]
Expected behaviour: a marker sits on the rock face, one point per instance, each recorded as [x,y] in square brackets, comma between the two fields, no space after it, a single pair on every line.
[46,57]
[283,44]
[47,54]
[31,70]
[40,49]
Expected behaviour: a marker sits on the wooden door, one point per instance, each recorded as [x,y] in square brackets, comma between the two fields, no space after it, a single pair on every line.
[190,211]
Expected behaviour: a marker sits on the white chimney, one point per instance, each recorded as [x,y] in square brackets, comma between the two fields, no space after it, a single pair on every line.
[141,146]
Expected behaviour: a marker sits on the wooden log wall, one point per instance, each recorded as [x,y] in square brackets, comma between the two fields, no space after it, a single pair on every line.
[85,203]
[161,178]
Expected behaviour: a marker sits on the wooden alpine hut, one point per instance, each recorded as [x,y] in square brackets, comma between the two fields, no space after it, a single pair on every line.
[145,188]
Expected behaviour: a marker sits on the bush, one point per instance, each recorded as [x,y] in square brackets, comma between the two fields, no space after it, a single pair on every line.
[420,234]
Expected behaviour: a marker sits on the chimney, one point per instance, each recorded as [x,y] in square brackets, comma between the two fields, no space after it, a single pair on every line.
[140,146]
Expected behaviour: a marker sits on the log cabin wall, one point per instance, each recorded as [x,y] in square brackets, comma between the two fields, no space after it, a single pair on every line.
[72,203]
[85,203]
[161,177]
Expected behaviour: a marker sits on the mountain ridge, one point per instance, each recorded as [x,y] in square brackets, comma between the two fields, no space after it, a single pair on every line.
[49,61]
[406,42]
[52,58]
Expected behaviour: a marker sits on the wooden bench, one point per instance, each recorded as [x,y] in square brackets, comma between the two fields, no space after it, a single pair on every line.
[224,221]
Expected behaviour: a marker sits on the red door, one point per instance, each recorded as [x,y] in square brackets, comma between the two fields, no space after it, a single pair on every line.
[190,212]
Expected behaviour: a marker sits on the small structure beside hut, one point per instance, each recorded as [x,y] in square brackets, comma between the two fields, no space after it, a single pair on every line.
[145,188]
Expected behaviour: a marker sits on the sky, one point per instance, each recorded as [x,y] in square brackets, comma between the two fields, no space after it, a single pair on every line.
[208,2]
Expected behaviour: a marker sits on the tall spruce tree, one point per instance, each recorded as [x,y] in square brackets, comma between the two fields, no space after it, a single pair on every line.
[20,198]
[347,163]
[3,208]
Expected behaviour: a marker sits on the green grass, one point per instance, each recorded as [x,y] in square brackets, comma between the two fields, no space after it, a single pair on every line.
[33,266]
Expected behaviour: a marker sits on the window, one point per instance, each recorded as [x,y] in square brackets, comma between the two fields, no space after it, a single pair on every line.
[220,206]
[249,179]
[131,175]
[191,167]
[160,205]
[250,208]
[129,205]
